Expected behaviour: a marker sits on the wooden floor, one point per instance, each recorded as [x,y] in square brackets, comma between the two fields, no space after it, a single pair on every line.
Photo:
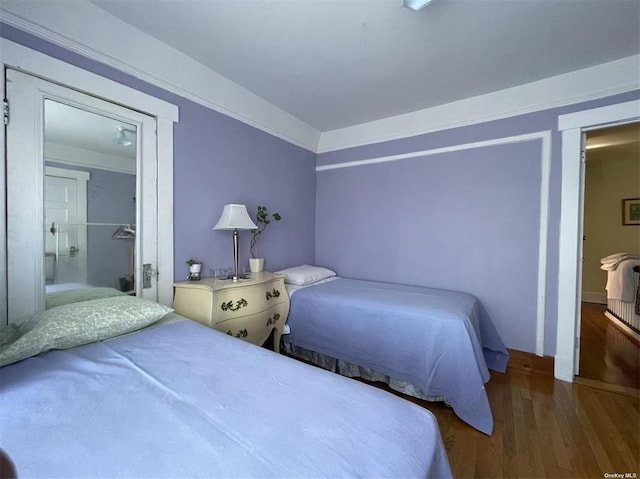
[606,353]
[544,428]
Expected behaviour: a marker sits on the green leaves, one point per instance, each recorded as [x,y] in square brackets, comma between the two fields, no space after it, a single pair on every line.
[262,220]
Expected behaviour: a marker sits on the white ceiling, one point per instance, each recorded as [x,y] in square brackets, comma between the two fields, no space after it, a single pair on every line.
[336,63]
[68,126]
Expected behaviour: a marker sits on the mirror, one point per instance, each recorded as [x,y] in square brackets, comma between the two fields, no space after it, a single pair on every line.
[89,195]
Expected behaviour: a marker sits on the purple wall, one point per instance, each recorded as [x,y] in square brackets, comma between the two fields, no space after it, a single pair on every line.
[219,160]
[466,220]
[240,164]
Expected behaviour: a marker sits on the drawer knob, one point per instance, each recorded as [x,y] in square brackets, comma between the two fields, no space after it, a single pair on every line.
[272,294]
[272,320]
[229,306]
[240,334]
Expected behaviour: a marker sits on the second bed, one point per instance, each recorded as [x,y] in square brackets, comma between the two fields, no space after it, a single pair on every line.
[430,343]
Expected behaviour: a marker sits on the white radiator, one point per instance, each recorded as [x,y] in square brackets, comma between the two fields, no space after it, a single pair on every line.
[624,311]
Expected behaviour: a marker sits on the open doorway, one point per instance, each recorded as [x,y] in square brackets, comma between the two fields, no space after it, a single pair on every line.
[610,340]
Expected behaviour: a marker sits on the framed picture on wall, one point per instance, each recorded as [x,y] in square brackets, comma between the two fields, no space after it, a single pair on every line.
[631,211]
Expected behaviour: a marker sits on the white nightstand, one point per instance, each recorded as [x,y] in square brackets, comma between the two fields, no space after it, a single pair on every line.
[248,309]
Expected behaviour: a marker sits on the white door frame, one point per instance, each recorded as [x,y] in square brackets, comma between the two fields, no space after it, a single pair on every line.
[25,175]
[572,126]
[30,61]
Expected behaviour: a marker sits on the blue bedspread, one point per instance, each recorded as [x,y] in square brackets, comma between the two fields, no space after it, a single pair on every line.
[182,400]
[440,341]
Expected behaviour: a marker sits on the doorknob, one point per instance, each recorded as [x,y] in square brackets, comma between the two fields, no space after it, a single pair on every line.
[73,251]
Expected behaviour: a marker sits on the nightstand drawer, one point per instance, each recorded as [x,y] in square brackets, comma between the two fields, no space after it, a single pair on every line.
[249,309]
[256,328]
[238,302]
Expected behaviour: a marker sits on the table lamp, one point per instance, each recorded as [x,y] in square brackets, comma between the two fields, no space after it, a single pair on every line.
[235,217]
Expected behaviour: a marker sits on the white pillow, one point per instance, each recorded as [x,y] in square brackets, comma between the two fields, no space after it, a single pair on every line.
[305,274]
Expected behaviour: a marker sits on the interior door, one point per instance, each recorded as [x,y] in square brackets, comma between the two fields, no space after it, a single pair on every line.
[26,223]
[65,212]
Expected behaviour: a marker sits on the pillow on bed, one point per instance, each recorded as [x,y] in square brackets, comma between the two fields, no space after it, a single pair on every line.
[60,298]
[305,274]
[76,324]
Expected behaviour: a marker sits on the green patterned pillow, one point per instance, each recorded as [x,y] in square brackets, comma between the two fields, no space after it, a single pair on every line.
[76,324]
[60,298]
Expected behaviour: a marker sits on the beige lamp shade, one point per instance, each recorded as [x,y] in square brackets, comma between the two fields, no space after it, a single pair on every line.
[235,217]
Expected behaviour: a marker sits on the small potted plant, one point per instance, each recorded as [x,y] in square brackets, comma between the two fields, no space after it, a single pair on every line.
[195,269]
[256,263]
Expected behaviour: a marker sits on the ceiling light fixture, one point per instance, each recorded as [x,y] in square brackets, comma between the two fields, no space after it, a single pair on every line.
[121,136]
[415,4]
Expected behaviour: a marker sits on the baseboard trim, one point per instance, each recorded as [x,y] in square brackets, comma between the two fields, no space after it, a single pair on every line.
[530,363]
[632,334]
[594,297]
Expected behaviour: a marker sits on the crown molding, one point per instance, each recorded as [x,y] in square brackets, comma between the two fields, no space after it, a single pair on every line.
[71,155]
[89,32]
[581,85]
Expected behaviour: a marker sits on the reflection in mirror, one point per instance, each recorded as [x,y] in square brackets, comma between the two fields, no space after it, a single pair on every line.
[89,191]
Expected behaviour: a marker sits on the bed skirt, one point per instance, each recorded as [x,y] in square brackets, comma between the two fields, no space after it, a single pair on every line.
[350,370]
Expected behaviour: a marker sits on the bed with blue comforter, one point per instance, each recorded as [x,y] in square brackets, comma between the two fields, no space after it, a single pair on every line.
[177,399]
[439,342]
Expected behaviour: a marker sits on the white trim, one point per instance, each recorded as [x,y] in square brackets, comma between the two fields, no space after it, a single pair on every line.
[619,324]
[72,155]
[597,117]
[25,200]
[594,297]
[545,172]
[438,151]
[23,58]
[582,85]
[165,210]
[4,320]
[172,70]
[31,61]
[572,127]
[545,175]
[68,173]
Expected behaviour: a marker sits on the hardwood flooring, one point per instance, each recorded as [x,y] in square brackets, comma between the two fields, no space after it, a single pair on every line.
[606,353]
[544,428]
